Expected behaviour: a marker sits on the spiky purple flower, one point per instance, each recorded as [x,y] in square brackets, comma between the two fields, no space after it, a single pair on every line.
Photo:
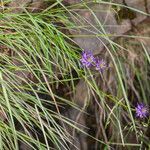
[87,59]
[100,65]
[141,110]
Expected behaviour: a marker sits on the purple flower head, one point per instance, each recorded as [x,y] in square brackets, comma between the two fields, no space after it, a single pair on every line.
[100,65]
[141,110]
[87,59]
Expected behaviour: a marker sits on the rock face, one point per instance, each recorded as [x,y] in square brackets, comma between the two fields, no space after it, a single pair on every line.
[101,26]
[102,23]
